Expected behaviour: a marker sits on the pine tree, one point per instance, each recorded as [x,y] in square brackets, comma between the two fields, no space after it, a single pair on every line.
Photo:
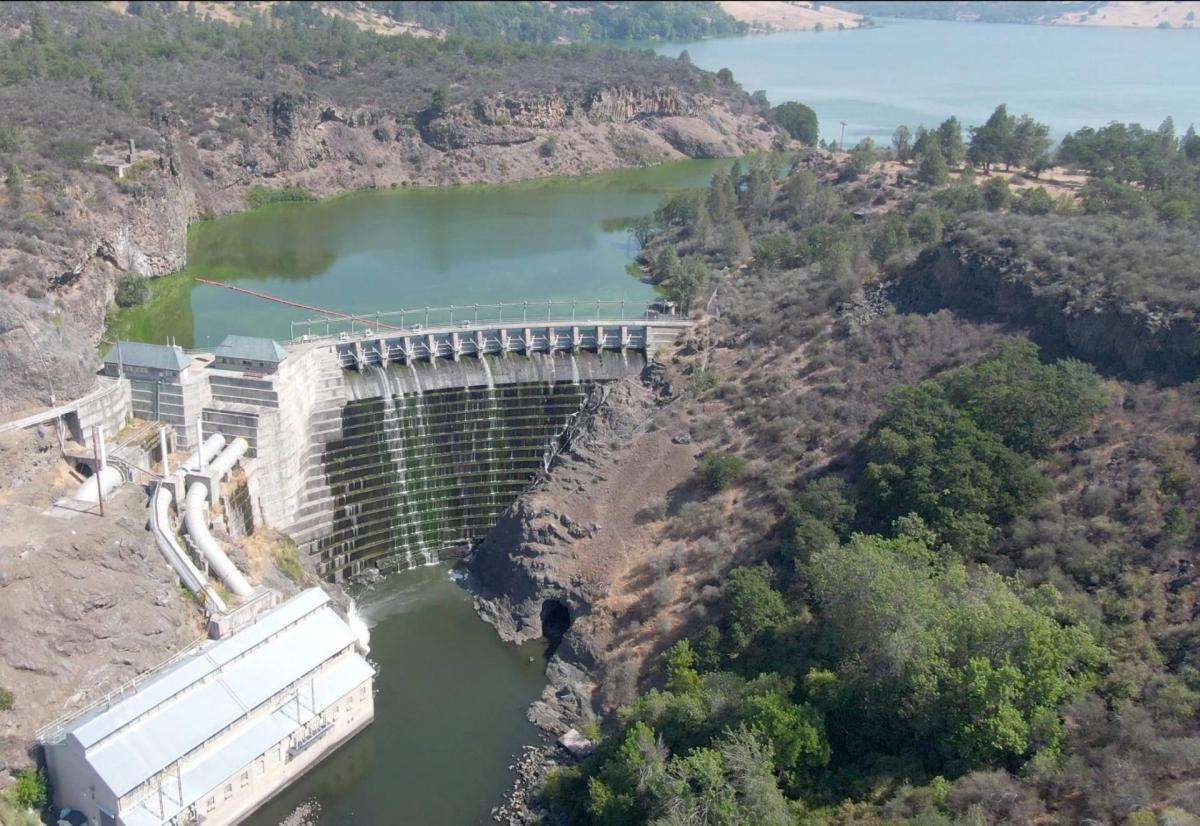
[933,169]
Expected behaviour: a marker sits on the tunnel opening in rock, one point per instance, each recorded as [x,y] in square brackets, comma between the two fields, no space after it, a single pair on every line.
[556,619]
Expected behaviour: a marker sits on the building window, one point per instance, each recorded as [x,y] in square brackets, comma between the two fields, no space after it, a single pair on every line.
[210,804]
[228,790]
[245,779]
[260,767]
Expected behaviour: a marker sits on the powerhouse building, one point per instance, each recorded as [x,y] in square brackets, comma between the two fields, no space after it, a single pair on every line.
[215,734]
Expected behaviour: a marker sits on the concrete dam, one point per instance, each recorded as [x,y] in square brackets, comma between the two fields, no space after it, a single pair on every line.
[375,452]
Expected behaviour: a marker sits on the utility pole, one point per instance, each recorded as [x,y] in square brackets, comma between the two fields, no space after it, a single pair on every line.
[842,142]
[97,450]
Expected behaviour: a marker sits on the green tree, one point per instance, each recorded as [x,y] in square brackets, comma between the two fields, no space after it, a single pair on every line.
[1029,142]
[950,139]
[927,652]
[438,101]
[902,144]
[725,76]
[688,284]
[863,156]
[1034,201]
[997,194]
[1028,404]
[990,142]
[797,120]
[754,607]
[133,290]
[926,457]
[721,470]
[933,169]
[926,226]
[888,240]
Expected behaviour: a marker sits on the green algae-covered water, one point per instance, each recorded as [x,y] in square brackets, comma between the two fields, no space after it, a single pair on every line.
[449,715]
[383,250]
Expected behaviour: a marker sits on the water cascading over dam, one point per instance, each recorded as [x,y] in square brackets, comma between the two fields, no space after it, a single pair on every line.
[430,453]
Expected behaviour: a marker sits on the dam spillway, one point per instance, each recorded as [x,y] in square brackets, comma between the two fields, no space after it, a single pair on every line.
[373,452]
[432,452]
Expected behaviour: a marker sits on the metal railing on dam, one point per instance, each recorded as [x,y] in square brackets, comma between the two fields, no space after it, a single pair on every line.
[525,328]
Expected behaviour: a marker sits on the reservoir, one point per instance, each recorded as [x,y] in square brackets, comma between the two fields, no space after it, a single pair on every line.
[919,72]
[449,715]
[386,250]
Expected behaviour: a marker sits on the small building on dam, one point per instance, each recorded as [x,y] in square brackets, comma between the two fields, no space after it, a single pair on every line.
[211,736]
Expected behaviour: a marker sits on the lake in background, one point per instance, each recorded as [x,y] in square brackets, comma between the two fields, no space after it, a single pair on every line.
[919,72]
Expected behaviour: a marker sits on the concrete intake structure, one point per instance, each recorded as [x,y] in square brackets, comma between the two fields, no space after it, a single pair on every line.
[196,519]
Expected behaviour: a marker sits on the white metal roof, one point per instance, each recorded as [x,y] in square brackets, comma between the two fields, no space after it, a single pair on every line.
[190,702]
[251,742]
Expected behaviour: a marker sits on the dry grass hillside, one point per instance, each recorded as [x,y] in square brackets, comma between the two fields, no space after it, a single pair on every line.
[782,16]
[1178,14]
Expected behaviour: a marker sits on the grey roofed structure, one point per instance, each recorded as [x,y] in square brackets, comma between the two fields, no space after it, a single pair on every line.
[151,356]
[249,348]
[209,714]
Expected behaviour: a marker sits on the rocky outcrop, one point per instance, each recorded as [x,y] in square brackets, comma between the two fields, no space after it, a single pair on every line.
[506,120]
[518,584]
[557,564]
[1133,340]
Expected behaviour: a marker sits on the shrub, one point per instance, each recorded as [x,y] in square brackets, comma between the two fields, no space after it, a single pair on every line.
[30,791]
[548,147]
[7,701]
[721,470]
[133,290]
[262,195]
[997,194]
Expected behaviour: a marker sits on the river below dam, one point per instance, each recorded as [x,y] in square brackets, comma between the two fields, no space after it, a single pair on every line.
[449,715]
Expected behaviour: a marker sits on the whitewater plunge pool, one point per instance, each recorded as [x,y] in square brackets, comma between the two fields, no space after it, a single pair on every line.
[449,715]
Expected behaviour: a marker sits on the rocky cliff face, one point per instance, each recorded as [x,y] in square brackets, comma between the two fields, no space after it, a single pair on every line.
[48,330]
[1132,340]
[568,561]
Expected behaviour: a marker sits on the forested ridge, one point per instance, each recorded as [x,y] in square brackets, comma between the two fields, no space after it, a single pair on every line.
[938,576]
